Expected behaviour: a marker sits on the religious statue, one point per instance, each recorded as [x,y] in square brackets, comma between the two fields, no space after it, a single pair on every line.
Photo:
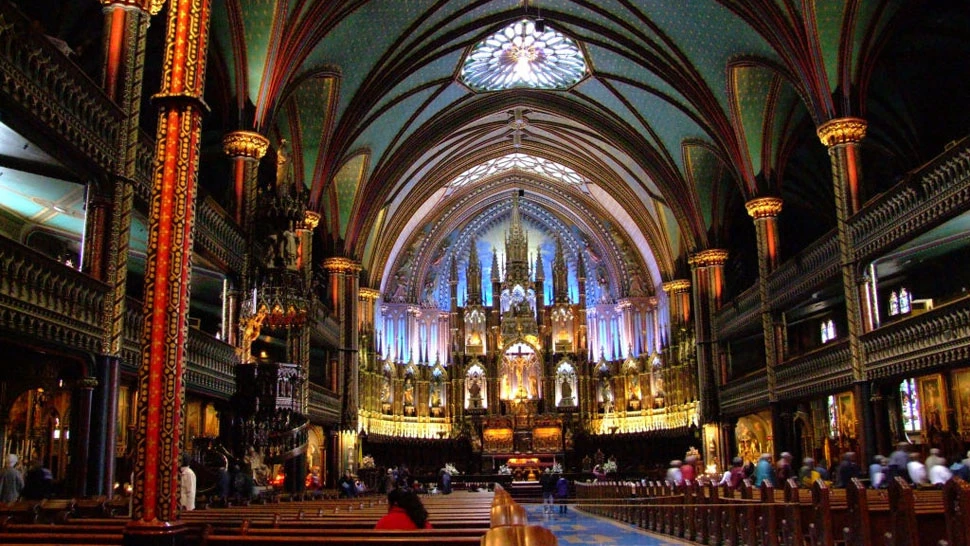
[435,394]
[606,391]
[633,387]
[289,250]
[506,386]
[284,169]
[566,389]
[533,386]
[385,389]
[408,391]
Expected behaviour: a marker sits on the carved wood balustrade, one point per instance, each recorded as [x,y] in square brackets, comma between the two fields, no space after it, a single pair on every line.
[822,370]
[745,395]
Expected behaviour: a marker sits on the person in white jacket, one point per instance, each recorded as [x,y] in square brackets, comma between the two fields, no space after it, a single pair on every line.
[187,490]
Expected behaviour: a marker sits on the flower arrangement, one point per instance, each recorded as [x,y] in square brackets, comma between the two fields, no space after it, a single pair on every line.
[367,462]
[504,469]
[450,468]
[556,468]
[609,466]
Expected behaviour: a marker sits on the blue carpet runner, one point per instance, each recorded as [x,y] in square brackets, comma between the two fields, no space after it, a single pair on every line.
[581,529]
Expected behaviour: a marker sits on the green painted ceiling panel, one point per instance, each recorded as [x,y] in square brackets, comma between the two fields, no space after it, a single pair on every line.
[750,86]
[258,17]
[829,15]
[313,99]
[377,137]
[453,93]
[347,181]
[221,35]
[705,170]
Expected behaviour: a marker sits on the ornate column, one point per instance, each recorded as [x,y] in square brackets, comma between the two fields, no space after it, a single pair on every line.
[707,272]
[245,149]
[170,224]
[108,224]
[765,211]
[842,137]
[366,303]
[678,297]
[344,284]
[81,424]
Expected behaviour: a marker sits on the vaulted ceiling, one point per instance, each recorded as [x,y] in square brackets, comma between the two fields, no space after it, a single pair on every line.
[689,110]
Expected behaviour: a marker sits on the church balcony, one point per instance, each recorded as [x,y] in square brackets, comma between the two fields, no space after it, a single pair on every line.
[937,192]
[822,370]
[935,338]
[323,406]
[44,299]
[745,395]
[46,95]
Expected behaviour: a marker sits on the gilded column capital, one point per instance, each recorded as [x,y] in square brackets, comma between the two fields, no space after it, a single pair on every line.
[842,131]
[311,219]
[677,285]
[339,264]
[368,294]
[245,144]
[87,383]
[712,257]
[150,6]
[764,207]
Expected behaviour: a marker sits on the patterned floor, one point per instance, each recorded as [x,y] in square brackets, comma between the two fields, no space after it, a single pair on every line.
[582,529]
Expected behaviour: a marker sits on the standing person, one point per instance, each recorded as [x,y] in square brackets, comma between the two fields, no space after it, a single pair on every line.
[38,483]
[11,481]
[404,512]
[548,484]
[562,493]
[674,476]
[734,475]
[348,487]
[934,459]
[877,472]
[688,472]
[763,471]
[187,489]
[808,474]
[848,469]
[784,470]
[916,470]
[898,461]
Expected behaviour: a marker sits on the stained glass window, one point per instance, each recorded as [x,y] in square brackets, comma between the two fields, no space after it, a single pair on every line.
[522,162]
[909,400]
[833,418]
[521,56]
[828,330]
[905,301]
[893,303]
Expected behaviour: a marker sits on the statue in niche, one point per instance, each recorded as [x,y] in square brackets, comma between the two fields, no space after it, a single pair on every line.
[290,251]
[408,391]
[606,391]
[566,389]
[284,169]
[633,386]
[533,386]
[385,389]
[475,389]
[435,394]
[506,386]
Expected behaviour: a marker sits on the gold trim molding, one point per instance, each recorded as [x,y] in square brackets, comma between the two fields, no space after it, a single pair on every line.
[339,264]
[677,285]
[247,144]
[712,257]
[368,294]
[842,131]
[150,6]
[764,207]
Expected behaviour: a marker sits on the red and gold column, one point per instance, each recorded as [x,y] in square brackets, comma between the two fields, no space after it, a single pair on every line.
[842,137]
[245,149]
[344,293]
[678,294]
[707,272]
[170,223]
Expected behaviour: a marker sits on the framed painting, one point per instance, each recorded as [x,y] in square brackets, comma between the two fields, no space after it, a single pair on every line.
[845,414]
[961,398]
[932,401]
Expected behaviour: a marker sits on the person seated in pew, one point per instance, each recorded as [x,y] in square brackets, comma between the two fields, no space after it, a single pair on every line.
[404,512]
[848,469]
[347,485]
[916,470]
[764,472]
[734,475]
[960,469]
[808,474]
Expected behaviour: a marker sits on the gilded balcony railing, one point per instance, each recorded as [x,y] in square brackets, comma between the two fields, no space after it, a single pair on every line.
[53,93]
[44,298]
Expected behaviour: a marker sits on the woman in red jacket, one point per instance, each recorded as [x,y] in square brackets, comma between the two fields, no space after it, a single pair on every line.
[404,511]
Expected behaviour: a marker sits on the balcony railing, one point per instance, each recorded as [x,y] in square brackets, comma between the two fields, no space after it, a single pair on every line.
[324,405]
[795,279]
[61,99]
[744,395]
[939,191]
[218,235]
[740,314]
[47,299]
[824,369]
[935,338]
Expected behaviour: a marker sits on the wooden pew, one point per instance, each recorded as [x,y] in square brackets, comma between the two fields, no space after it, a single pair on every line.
[829,511]
[917,516]
[956,507]
[868,517]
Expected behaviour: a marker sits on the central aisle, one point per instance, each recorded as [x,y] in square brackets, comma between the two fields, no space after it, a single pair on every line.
[580,528]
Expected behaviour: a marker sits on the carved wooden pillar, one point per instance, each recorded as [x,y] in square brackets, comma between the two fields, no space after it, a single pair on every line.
[170,225]
[707,270]
[765,211]
[842,137]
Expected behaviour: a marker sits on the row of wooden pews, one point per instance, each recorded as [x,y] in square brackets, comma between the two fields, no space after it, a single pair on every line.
[463,518]
[793,516]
